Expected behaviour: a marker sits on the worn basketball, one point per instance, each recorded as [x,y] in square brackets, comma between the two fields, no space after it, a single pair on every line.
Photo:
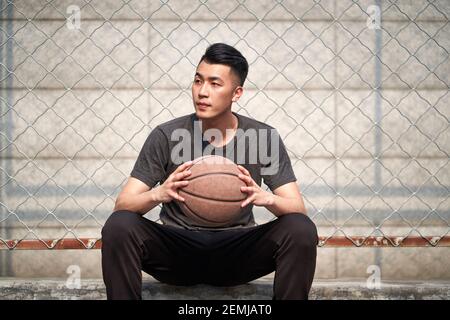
[213,196]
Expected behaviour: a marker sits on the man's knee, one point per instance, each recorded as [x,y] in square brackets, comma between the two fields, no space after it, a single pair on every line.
[299,228]
[119,225]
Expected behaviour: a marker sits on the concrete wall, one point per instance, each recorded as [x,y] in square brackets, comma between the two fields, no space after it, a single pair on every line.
[77,105]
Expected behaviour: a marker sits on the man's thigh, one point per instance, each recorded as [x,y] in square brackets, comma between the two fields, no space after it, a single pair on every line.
[243,255]
[223,258]
[174,255]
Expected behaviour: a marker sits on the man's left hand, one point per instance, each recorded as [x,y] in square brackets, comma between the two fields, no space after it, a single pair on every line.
[255,194]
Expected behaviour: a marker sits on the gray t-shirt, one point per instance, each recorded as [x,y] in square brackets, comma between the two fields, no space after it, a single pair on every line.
[253,146]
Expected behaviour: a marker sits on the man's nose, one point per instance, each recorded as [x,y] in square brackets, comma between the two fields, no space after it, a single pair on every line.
[203,92]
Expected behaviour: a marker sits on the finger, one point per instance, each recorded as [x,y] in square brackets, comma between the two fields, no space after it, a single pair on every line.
[247,189]
[247,201]
[248,180]
[244,177]
[245,171]
[181,184]
[183,166]
[181,175]
[176,196]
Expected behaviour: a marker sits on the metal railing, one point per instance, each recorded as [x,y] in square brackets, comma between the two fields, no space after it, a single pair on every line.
[358,91]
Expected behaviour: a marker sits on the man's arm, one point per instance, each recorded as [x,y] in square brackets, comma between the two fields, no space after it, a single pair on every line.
[136,196]
[286,199]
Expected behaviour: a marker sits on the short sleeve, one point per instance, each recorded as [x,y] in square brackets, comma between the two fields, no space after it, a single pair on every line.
[151,164]
[279,170]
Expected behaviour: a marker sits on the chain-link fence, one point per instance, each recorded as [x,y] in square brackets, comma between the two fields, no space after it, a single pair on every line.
[357,89]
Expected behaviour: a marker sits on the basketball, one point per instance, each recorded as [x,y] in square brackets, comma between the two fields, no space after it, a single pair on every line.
[213,196]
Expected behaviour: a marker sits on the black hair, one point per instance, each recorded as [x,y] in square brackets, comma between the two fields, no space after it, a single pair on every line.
[221,53]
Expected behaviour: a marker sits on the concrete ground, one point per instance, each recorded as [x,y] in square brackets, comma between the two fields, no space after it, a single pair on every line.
[261,289]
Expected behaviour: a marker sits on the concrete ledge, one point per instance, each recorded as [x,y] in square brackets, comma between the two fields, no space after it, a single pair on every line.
[261,289]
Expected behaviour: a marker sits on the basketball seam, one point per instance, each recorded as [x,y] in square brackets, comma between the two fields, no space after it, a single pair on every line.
[202,219]
[195,161]
[217,200]
[212,173]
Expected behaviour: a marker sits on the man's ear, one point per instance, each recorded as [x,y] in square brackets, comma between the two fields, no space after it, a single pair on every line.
[237,93]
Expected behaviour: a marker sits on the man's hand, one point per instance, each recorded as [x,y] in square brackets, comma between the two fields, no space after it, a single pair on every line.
[168,191]
[255,194]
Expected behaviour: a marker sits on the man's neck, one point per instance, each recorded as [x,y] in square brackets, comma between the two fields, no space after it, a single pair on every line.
[227,121]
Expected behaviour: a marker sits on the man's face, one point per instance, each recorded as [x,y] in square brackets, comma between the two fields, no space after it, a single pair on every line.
[214,89]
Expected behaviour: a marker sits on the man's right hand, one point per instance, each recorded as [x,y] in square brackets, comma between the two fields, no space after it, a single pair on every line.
[168,191]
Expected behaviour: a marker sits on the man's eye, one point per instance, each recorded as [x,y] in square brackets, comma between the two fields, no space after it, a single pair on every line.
[216,84]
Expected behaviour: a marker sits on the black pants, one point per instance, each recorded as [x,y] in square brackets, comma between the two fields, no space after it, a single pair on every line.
[132,243]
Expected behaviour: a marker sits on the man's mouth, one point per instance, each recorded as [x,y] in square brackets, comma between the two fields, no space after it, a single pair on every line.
[203,105]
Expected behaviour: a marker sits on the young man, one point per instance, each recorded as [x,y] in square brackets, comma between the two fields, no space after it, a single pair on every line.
[180,251]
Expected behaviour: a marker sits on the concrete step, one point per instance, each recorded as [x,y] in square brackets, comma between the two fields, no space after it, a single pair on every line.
[261,289]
